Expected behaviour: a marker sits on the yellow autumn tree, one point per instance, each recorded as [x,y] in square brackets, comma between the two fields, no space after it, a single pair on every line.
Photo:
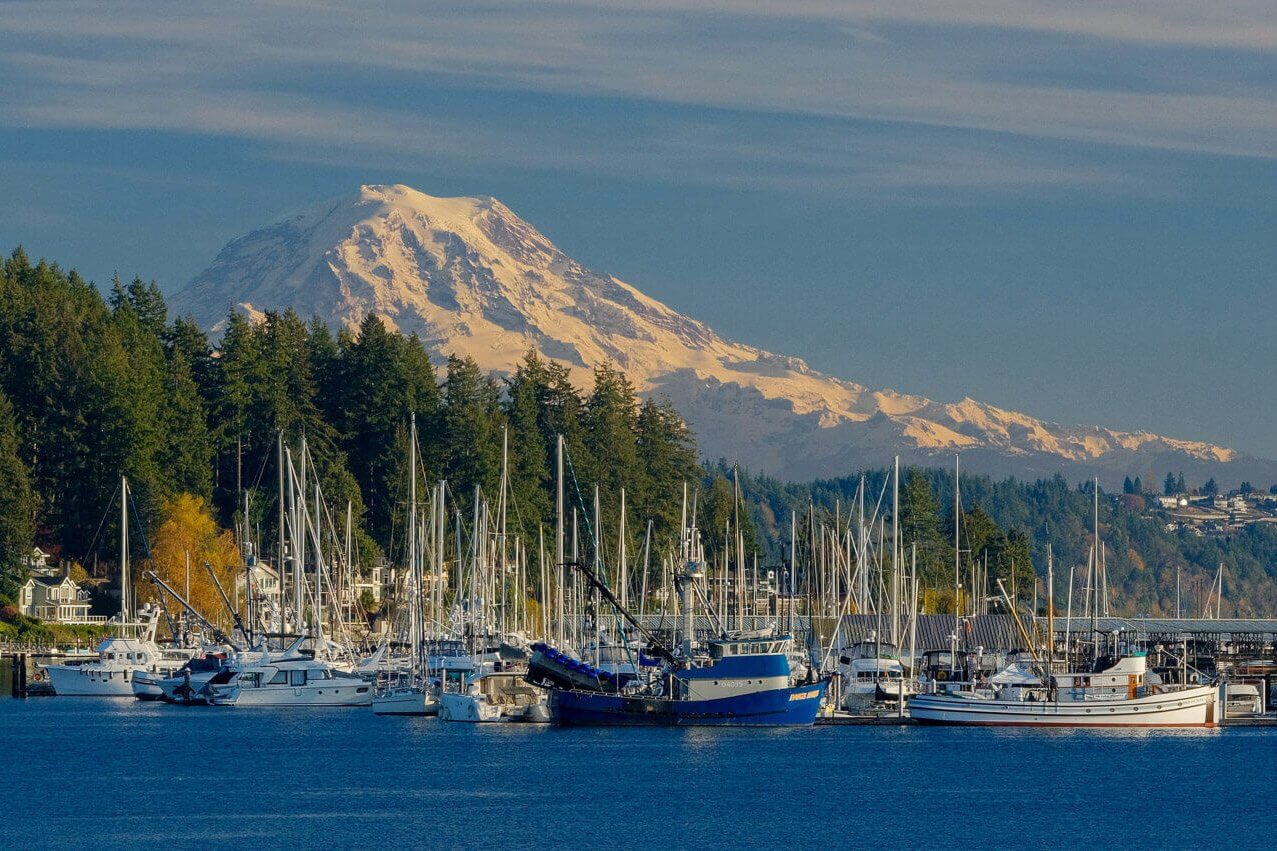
[189,530]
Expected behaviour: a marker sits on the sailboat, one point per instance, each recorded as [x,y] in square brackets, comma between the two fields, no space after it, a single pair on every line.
[132,651]
[407,692]
[1114,691]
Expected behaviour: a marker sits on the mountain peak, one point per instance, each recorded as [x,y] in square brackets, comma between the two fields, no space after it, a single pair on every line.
[472,278]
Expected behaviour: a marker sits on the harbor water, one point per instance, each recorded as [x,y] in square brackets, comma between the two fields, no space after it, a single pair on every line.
[112,773]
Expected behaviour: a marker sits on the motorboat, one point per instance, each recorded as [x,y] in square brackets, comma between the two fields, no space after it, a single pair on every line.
[119,660]
[495,696]
[871,674]
[294,679]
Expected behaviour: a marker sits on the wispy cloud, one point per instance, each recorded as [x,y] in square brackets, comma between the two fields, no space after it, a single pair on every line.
[821,79]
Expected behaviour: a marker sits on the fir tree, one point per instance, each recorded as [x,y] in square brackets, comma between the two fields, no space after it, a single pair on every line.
[17,527]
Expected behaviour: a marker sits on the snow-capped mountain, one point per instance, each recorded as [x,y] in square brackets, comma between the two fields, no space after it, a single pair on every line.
[471,277]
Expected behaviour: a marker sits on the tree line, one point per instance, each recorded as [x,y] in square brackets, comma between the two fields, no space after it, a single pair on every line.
[93,387]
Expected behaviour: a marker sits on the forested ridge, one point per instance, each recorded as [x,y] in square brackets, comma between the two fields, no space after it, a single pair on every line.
[1010,521]
[95,385]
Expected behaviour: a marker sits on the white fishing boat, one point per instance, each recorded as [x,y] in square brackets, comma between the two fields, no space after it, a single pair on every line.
[492,697]
[131,653]
[1117,696]
[118,662]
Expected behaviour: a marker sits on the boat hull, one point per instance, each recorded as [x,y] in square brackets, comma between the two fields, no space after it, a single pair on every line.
[147,686]
[784,707]
[1194,707]
[467,708]
[406,702]
[352,695]
[90,681]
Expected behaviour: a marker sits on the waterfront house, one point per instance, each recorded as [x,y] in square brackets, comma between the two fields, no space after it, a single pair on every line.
[58,599]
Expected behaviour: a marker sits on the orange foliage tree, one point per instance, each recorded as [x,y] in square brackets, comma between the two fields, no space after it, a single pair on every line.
[188,529]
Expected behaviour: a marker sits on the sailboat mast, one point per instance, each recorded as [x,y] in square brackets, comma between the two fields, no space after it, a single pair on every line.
[624,581]
[299,516]
[414,604]
[283,551]
[1095,573]
[957,568]
[559,567]
[896,553]
[1050,618]
[125,613]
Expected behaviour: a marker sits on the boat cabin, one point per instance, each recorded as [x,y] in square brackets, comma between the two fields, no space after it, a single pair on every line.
[728,647]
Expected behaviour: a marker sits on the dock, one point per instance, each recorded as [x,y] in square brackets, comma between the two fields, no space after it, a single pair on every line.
[21,671]
[846,719]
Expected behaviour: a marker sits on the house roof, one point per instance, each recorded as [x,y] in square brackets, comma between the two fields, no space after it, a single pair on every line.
[52,581]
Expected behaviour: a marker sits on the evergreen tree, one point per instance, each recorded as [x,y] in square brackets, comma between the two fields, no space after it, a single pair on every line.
[667,455]
[1128,486]
[611,429]
[187,457]
[472,421]
[530,457]
[1170,488]
[381,384]
[17,527]
[920,525]
[241,373]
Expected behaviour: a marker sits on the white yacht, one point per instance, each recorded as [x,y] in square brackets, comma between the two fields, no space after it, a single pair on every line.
[496,696]
[871,674]
[291,680]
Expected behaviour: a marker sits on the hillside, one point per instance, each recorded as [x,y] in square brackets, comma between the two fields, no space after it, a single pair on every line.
[1142,556]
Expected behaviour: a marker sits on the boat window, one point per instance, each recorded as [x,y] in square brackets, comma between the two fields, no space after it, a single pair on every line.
[297,678]
[280,678]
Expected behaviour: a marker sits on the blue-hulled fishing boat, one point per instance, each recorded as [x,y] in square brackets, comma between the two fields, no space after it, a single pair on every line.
[745,682]
[732,680]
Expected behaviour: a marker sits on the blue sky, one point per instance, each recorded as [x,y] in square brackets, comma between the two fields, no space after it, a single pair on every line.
[1064,208]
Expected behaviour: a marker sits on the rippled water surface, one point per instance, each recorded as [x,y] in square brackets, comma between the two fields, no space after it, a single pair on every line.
[102,773]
